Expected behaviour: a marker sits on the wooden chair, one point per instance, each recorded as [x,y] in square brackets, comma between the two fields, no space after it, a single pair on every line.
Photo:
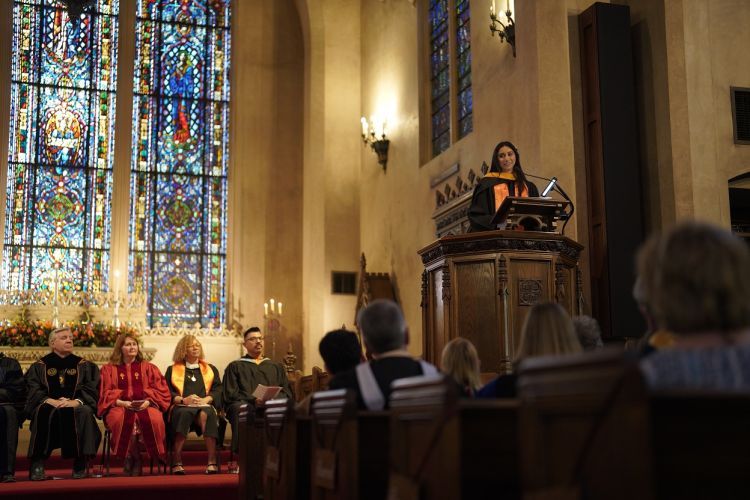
[443,447]
[349,450]
[287,457]
[161,467]
[584,427]
[320,379]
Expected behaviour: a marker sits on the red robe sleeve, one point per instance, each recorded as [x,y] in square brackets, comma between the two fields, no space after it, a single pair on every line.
[109,392]
[155,388]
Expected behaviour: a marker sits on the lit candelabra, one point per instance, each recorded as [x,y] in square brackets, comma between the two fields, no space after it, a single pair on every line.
[507,30]
[272,312]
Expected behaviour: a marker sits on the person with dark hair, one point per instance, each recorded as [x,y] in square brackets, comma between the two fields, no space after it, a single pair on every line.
[695,282]
[386,336]
[243,376]
[63,391]
[505,178]
[132,399]
[340,351]
[12,393]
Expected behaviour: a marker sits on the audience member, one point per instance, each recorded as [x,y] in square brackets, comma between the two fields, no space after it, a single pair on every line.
[195,386]
[243,376]
[460,362]
[588,332]
[548,330]
[12,394]
[132,398]
[340,350]
[386,336]
[695,278]
[63,391]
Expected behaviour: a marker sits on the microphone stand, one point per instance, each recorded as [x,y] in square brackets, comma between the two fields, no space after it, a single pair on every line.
[562,192]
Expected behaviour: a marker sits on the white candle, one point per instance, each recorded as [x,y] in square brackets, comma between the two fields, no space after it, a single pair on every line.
[280,308]
[265,308]
[492,7]
[365,128]
[507,5]
[273,307]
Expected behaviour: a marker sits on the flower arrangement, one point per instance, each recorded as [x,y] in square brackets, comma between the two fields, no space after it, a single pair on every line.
[24,332]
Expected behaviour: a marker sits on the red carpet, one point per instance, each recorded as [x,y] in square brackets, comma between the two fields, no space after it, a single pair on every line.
[195,484]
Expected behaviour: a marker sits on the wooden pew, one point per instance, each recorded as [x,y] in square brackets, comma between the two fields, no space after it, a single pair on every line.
[584,427]
[349,450]
[701,444]
[251,452]
[287,456]
[443,447]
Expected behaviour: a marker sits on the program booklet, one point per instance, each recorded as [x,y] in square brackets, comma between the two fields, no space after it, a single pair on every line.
[265,392]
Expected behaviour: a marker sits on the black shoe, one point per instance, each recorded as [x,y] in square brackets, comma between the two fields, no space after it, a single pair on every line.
[36,473]
[79,468]
[8,478]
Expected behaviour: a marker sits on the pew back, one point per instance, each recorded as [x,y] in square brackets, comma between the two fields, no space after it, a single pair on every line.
[286,463]
[443,447]
[349,449]
[701,444]
[584,425]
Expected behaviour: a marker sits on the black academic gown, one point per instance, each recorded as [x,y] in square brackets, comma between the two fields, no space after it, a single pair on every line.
[73,430]
[482,207]
[240,380]
[12,392]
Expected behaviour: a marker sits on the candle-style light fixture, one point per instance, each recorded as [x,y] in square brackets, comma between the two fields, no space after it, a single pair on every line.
[373,133]
[506,31]
[116,310]
[272,312]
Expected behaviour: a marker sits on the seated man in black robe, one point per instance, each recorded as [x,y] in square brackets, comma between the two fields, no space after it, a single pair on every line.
[61,402]
[386,336]
[242,377]
[12,392]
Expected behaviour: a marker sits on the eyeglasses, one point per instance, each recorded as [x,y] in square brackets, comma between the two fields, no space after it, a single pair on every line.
[254,339]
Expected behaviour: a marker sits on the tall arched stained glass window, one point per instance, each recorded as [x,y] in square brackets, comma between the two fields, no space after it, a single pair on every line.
[179,168]
[61,147]
[463,68]
[440,76]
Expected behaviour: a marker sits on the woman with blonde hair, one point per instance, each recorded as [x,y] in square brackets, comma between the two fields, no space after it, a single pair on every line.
[132,398]
[547,331]
[460,361]
[196,394]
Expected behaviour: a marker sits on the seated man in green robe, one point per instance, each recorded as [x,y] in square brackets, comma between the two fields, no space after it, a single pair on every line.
[63,390]
[242,377]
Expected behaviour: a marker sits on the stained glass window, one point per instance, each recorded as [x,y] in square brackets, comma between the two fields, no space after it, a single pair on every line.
[439,70]
[179,167]
[463,56]
[63,76]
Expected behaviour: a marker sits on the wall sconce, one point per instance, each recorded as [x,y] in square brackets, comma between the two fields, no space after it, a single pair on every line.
[506,31]
[370,133]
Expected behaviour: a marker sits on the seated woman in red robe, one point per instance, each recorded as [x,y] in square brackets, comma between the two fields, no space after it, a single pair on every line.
[132,399]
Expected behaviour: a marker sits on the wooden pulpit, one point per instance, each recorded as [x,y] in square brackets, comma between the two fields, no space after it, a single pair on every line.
[480,286]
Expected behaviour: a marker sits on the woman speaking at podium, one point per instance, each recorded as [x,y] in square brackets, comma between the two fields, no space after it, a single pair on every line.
[505,178]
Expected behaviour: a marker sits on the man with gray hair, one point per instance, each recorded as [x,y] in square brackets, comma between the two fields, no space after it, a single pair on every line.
[385,336]
[63,391]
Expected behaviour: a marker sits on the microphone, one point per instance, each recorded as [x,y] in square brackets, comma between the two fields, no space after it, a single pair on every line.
[555,186]
[549,187]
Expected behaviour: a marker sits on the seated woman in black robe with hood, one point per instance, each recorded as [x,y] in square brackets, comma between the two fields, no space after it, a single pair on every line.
[505,178]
